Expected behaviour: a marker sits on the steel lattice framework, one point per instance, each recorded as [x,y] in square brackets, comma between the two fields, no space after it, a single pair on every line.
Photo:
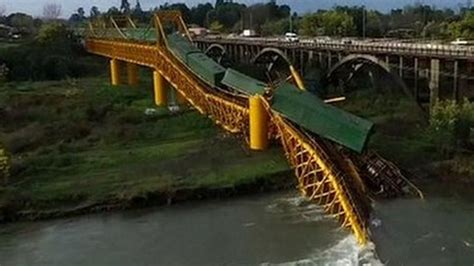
[318,178]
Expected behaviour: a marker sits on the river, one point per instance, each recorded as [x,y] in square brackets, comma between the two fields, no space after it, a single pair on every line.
[271,229]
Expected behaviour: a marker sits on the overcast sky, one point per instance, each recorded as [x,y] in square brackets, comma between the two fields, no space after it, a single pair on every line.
[35,7]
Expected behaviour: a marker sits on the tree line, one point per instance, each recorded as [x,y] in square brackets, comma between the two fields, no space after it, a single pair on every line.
[227,16]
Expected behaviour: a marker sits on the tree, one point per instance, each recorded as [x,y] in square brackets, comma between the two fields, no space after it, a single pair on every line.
[3,10]
[199,14]
[463,28]
[216,27]
[334,23]
[227,13]
[23,22]
[51,11]
[374,26]
[183,8]
[94,12]
[138,6]
[311,25]
[81,12]
[138,12]
[53,33]
[113,11]
[79,16]
[125,6]
[279,27]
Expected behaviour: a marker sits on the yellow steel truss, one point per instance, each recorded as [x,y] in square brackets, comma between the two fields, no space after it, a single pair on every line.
[319,180]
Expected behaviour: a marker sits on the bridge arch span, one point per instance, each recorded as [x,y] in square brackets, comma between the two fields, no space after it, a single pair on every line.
[271,51]
[217,52]
[357,62]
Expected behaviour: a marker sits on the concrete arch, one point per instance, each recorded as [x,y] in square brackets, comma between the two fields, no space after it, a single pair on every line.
[269,51]
[215,46]
[218,50]
[367,60]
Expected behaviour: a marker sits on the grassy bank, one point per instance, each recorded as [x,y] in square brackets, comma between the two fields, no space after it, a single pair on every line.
[81,145]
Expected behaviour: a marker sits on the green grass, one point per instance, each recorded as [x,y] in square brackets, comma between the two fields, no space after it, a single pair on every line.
[83,141]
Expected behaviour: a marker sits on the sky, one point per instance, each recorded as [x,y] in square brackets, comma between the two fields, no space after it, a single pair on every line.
[35,7]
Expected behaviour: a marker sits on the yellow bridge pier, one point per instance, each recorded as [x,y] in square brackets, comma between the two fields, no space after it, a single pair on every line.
[132,74]
[115,72]
[258,123]
[160,88]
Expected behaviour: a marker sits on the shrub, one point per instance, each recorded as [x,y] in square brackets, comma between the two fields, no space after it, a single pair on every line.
[450,124]
[4,165]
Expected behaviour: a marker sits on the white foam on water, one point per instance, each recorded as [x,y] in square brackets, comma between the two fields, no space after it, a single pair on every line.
[297,210]
[346,252]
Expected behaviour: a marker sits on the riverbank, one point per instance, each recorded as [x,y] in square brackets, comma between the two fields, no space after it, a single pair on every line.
[83,146]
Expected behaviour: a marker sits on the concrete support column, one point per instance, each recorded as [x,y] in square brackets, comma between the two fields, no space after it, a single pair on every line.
[415,77]
[302,61]
[115,72]
[132,74]
[400,67]
[434,81]
[329,60]
[387,62]
[456,81]
[160,88]
[258,123]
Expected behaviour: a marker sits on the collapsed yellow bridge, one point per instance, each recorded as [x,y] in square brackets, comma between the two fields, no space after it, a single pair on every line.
[325,175]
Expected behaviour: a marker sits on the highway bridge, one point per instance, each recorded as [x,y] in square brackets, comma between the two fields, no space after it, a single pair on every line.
[326,146]
[429,71]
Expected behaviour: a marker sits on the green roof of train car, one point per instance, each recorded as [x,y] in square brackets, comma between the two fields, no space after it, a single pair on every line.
[243,83]
[206,68]
[327,121]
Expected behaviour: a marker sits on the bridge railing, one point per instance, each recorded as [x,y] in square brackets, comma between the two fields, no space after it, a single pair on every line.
[357,46]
